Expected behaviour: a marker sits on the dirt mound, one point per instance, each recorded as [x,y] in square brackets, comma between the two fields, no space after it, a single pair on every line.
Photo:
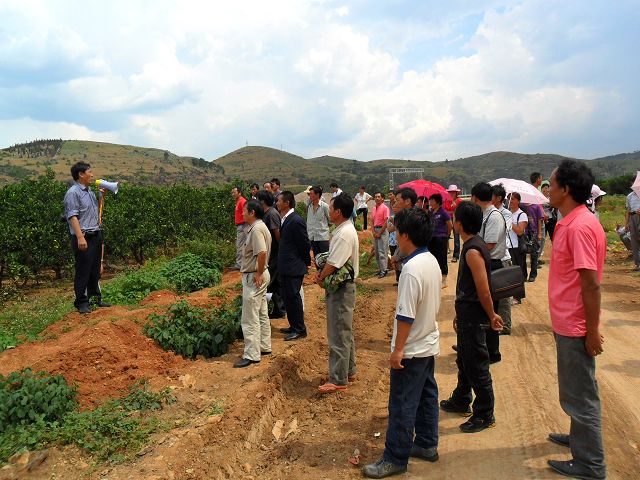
[160,298]
[104,360]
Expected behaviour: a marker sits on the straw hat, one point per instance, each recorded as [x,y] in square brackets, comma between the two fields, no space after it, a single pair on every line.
[308,189]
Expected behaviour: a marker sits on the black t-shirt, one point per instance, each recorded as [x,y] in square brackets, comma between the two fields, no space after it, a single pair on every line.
[272,220]
[466,287]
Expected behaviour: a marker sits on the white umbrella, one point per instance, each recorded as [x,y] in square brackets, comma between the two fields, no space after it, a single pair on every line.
[528,193]
[636,184]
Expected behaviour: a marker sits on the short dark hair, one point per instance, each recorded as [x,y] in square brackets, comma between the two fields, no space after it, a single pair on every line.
[469,215]
[255,185]
[237,188]
[333,185]
[265,197]
[275,180]
[577,177]
[317,190]
[422,198]
[482,191]
[535,176]
[78,168]
[379,192]
[415,223]
[344,204]
[256,207]
[288,197]
[499,191]
[407,193]
[362,187]
[436,197]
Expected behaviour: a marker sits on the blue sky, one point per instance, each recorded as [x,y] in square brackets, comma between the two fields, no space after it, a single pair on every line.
[426,80]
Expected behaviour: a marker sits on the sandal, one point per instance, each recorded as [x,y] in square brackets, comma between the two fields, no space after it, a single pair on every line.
[331,388]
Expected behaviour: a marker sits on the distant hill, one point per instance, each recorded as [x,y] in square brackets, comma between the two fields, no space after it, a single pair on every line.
[258,164]
[137,165]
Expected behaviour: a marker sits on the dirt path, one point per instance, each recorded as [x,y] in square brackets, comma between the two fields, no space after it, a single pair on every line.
[326,430]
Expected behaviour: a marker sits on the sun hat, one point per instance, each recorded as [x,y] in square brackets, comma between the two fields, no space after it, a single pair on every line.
[453,188]
[596,192]
[308,189]
[545,183]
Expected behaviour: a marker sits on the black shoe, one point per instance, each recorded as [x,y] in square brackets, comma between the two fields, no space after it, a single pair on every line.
[505,331]
[495,358]
[559,438]
[244,362]
[541,262]
[102,304]
[265,353]
[84,309]
[286,330]
[569,468]
[454,348]
[454,260]
[477,424]
[382,469]
[451,406]
[531,279]
[273,316]
[428,454]
[294,336]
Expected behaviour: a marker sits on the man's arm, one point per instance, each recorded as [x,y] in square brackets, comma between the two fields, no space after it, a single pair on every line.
[479,273]
[402,333]
[326,271]
[276,234]
[590,289]
[257,276]
[75,226]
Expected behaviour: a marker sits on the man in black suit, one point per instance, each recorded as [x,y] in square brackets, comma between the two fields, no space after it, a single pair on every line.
[293,261]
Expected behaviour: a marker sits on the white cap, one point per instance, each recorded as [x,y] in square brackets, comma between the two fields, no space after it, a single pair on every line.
[596,192]
[453,188]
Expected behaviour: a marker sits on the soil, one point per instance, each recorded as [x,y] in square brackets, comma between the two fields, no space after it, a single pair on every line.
[105,352]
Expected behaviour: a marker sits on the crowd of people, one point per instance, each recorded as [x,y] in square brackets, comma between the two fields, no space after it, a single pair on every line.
[491,231]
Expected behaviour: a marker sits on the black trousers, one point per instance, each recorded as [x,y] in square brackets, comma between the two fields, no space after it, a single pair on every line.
[438,248]
[319,246]
[364,212]
[87,269]
[473,361]
[520,259]
[290,290]
[274,289]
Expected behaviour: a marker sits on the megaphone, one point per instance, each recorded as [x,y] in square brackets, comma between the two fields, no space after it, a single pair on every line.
[111,186]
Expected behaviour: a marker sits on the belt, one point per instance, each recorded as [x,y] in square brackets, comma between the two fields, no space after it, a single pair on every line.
[379,226]
[633,213]
[91,233]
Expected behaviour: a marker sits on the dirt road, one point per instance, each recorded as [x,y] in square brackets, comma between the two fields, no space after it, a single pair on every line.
[319,433]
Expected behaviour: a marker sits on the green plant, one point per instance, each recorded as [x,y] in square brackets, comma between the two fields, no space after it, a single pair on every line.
[214,252]
[27,397]
[134,286]
[217,408]
[191,331]
[188,273]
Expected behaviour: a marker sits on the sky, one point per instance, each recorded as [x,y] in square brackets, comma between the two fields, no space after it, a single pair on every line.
[362,79]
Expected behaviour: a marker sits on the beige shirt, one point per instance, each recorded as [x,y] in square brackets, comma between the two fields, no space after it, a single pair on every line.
[258,240]
[344,246]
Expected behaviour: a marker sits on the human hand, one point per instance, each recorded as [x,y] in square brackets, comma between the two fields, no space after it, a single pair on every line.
[393,263]
[395,359]
[593,342]
[82,244]
[101,268]
[496,322]
[258,279]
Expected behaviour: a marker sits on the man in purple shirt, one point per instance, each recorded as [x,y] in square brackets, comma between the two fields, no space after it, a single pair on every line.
[536,217]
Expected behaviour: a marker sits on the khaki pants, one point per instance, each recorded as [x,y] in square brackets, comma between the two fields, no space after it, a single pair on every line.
[381,246]
[241,237]
[256,327]
[342,348]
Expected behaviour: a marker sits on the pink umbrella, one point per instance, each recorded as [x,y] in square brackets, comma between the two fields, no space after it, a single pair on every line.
[426,188]
[636,184]
[528,193]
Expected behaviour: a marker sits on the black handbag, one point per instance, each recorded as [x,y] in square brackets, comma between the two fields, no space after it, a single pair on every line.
[526,243]
[507,282]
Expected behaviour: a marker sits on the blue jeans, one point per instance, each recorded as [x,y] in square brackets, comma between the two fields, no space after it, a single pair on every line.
[413,405]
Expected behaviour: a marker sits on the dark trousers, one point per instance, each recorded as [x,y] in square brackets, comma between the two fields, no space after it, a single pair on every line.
[473,361]
[492,336]
[274,289]
[534,260]
[456,245]
[290,290]
[413,406]
[364,213]
[579,398]
[319,246]
[87,269]
[518,258]
[438,248]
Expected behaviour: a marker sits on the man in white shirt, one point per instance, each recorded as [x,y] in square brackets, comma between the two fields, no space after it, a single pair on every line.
[335,189]
[504,305]
[318,221]
[361,200]
[340,300]
[413,396]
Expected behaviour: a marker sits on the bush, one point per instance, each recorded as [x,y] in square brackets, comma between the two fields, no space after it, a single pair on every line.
[191,331]
[34,398]
[188,273]
[134,286]
[216,254]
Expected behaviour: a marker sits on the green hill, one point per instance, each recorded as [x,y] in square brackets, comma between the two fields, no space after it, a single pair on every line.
[258,164]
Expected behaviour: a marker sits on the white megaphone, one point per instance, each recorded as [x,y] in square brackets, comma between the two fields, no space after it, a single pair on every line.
[111,186]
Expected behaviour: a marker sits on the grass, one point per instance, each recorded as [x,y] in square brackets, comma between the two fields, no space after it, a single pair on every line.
[611,212]
[24,320]
[367,290]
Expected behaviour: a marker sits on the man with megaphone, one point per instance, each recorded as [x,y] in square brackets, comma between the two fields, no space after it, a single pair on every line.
[83,213]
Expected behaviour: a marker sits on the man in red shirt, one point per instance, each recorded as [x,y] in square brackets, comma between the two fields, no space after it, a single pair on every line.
[450,207]
[240,226]
[380,234]
[577,263]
